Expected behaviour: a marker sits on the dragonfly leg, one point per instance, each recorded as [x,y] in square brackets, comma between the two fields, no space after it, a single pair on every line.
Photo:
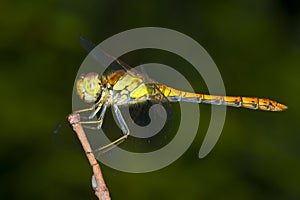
[101,116]
[124,129]
[99,121]
[84,110]
[92,115]
[97,106]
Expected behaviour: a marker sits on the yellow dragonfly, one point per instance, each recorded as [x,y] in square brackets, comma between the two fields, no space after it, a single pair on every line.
[126,86]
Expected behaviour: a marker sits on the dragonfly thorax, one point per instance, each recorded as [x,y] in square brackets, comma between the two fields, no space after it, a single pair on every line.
[89,87]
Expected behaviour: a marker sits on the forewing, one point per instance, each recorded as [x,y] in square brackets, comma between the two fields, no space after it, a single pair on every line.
[118,64]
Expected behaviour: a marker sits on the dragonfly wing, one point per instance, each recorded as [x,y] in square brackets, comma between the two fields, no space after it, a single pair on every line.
[63,138]
[86,44]
[118,64]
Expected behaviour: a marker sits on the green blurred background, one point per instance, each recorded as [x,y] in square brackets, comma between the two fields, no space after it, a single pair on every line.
[255,44]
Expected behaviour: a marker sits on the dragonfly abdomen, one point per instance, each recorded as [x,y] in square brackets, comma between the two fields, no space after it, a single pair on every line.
[255,103]
[246,102]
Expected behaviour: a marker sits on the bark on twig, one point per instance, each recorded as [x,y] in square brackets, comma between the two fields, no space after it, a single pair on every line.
[100,188]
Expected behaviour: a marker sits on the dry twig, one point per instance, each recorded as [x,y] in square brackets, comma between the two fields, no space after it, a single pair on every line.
[100,188]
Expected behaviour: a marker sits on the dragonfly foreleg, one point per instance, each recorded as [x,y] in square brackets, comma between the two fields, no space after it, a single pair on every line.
[98,107]
[100,119]
[84,110]
[123,127]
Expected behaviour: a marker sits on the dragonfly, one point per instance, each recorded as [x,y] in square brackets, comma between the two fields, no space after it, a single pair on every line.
[127,86]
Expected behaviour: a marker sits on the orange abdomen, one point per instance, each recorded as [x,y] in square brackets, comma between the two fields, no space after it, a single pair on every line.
[255,103]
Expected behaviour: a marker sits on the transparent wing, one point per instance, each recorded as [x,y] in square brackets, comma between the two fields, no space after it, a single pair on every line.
[139,112]
[118,64]
[64,139]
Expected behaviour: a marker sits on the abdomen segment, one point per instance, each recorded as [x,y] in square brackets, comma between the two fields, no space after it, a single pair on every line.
[255,103]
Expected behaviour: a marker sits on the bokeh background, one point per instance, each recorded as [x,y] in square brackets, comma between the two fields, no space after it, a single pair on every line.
[255,44]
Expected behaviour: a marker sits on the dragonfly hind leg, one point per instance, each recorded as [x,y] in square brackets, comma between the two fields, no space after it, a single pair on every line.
[124,129]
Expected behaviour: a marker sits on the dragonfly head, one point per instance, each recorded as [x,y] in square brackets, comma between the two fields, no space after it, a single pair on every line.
[89,87]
